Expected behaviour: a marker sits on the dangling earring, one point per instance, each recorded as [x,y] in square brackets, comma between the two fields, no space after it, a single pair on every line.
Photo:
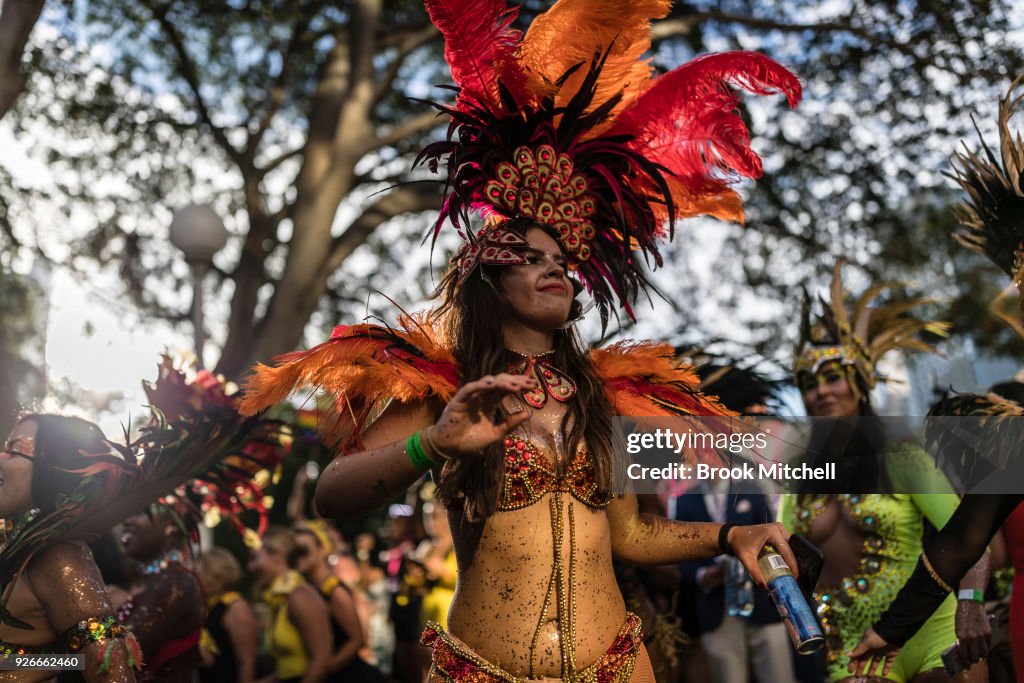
[490,283]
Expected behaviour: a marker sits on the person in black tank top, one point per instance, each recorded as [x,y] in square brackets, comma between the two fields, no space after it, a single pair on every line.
[347,630]
[230,632]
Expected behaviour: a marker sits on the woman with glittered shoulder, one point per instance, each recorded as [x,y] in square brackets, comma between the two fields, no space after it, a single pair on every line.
[58,604]
[524,452]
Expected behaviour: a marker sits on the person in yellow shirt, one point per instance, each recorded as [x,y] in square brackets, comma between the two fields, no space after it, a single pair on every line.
[299,635]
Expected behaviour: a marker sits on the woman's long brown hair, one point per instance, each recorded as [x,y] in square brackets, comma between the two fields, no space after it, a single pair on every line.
[469,319]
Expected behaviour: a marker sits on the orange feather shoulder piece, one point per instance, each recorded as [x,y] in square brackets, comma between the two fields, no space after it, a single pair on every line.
[359,368]
[642,380]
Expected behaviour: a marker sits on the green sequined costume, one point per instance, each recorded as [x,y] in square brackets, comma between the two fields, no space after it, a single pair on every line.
[892,525]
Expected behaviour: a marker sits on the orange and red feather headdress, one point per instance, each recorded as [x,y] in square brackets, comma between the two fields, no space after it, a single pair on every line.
[569,126]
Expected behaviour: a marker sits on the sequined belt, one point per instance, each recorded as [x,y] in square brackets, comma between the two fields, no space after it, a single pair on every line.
[454,662]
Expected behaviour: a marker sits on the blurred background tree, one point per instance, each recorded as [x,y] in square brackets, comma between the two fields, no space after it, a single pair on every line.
[294,119]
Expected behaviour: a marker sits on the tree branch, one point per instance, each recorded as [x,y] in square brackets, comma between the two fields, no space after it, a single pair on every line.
[419,123]
[681,26]
[16,21]
[362,41]
[411,42]
[278,160]
[354,125]
[188,71]
[277,91]
[412,198]
[395,35]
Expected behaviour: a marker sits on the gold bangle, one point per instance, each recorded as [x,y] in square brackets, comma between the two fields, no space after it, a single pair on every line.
[935,575]
[433,448]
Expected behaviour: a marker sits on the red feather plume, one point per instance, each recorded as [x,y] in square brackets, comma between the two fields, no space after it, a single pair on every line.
[687,121]
[480,47]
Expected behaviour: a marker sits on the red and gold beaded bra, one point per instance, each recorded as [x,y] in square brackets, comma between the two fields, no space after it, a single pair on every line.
[529,477]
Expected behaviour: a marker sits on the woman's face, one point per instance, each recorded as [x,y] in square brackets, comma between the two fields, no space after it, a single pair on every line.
[827,393]
[539,292]
[312,554]
[266,565]
[16,470]
[144,536]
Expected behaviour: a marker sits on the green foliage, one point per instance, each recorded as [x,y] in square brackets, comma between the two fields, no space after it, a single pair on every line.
[857,170]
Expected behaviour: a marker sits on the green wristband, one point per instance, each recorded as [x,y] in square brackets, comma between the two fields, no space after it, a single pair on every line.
[417,456]
[972,594]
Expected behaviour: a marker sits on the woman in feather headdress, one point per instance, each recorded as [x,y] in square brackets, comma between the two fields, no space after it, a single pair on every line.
[63,483]
[59,603]
[577,159]
[991,223]
[869,521]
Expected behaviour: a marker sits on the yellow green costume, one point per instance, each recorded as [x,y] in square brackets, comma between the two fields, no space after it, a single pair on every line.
[892,526]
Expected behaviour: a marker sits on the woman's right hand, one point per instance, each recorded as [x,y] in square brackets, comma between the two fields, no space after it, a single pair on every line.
[474,418]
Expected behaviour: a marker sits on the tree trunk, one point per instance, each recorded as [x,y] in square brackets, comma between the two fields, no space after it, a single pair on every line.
[8,392]
[17,18]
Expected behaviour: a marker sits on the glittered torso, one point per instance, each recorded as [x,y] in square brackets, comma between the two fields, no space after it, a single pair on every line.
[542,564]
[877,541]
[61,587]
[82,593]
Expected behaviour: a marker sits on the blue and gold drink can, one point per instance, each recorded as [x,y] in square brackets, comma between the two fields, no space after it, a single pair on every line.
[800,622]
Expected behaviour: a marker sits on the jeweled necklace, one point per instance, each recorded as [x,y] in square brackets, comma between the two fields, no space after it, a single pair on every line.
[163,562]
[11,527]
[550,380]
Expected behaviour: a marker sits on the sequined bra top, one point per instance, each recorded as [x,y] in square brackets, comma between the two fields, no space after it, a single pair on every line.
[529,476]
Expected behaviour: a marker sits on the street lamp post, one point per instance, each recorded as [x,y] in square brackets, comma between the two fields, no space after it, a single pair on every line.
[199,233]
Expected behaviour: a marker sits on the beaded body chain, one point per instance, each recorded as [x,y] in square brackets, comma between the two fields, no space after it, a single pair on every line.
[561,588]
[527,467]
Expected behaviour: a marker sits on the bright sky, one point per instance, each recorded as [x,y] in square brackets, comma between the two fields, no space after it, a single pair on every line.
[91,342]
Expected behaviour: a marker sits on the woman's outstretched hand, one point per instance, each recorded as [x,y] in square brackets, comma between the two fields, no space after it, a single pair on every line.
[474,418]
[746,542]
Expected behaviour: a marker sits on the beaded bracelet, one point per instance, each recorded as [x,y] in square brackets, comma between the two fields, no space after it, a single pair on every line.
[417,456]
[112,633]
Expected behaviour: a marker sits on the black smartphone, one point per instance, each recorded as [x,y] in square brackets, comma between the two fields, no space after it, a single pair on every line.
[951,659]
[809,561]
